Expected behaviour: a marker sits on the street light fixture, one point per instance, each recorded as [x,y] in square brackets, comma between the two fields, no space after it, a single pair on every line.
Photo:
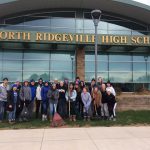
[72,59]
[96,15]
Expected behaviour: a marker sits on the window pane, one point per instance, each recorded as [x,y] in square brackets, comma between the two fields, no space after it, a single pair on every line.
[35,75]
[120,66]
[61,56]
[13,76]
[139,77]
[12,54]
[36,65]
[138,58]
[60,75]
[36,55]
[120,77]
[139,66]
[120,58]
[61,65]
[12,65]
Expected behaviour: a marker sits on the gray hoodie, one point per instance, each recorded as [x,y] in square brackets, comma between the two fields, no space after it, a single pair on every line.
[25,93]
[3,93]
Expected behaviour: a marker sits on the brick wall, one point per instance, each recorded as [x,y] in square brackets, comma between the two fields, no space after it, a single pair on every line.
[133,102]
[80,63]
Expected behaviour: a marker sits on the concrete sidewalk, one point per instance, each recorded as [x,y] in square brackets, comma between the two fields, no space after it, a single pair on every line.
[98,138]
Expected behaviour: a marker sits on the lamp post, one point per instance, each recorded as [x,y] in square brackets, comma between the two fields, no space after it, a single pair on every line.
[72,58]
[96,15]
[146,58]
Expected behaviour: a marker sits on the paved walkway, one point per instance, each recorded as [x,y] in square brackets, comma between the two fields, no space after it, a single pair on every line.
[99,138]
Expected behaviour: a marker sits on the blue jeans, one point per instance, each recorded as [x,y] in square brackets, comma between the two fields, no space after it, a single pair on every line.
[12,114]
[45,106]
[2,108]
[52,108]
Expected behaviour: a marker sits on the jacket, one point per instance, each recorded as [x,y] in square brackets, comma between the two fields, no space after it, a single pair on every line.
[33,92]
[3,93]
[86,99]
[62,92]
[44,92]
[25,93]
[38,92]
[104,97]
[111,99]
[10,100]
[53,96]
[97,97]
[72,96]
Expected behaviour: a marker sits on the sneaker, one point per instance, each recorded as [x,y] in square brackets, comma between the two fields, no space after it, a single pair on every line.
[43,117]
[114,119]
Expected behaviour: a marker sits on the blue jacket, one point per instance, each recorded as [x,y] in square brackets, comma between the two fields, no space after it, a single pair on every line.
[33,92]
[44,92]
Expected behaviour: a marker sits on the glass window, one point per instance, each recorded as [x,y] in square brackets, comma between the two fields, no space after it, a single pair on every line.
[12,54]
[90,75]
[79,25]
[61,65]
[35,75]
[138,58]
[120,66]
[90,66]
[139,66]
[44,55]
[1,76]
[120,58]
[61,56]
[139,77]
[12,65]
[120,77]
[35,65]
[61,75]
[13,75]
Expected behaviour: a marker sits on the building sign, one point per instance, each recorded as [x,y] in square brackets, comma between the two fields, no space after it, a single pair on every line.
[45,37]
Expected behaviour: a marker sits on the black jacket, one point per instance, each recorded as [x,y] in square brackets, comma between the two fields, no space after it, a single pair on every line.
[10,100]
[111,99]
[104,97]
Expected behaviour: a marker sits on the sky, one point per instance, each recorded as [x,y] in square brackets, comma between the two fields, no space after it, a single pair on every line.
[147,2]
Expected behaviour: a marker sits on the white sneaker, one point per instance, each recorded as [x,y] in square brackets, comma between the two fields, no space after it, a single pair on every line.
[43,117]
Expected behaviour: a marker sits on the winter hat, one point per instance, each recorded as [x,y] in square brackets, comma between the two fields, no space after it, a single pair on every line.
[32,80]
[46,82]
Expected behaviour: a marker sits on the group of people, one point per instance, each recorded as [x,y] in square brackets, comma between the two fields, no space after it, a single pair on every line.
[71,100]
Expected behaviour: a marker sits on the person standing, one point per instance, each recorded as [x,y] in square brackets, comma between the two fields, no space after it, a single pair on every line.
[38,97]
[79,103]
[13,103]
[62,109]
[86,99]
[33,95]
[109,85]
[44,92]
[104,105]
[4,88]
[96,101]
[71,95]
[25,94]
[53,95]
[111,103]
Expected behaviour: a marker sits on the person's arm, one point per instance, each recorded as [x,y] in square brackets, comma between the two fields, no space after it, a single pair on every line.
[89,100]
[66,96]
[57,95]
[42,93]
[83,99]
[21,94]
[49,94]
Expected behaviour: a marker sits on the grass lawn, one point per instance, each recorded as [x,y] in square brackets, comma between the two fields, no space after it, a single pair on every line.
[126,118]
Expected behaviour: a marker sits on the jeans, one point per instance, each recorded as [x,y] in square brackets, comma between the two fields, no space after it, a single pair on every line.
[45,107]
[104,110]
[52,108]
[2,109]
[12,114]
